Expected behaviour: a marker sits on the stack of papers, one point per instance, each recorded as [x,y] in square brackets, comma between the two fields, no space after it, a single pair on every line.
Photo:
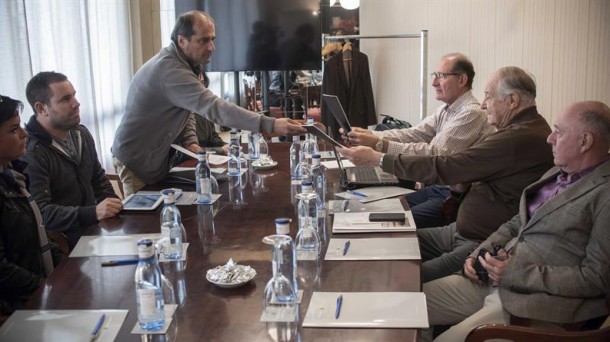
[359,223]
[406,248]
[374,193]
[367,310]
[354,206]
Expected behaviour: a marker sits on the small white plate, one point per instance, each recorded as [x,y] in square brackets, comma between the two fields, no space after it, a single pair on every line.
[268,166]
[233,284]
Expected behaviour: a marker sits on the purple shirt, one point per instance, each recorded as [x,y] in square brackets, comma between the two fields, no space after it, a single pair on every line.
[551,189]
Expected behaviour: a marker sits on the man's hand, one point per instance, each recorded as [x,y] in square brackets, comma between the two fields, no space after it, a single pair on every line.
[362,137]
[108,208]
[225,149]
[195,148]
[361,155]
[495,265]
[469,270]
[286,126]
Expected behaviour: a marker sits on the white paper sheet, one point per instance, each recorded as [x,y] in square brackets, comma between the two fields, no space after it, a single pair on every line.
[61,325]
[368,310]
[359,223]
[214,159]
[404,248]
[375,193]
[354,206]
[116,245]
[332,164]
[169,310]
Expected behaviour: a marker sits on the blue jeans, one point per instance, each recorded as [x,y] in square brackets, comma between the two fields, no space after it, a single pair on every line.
[427,206]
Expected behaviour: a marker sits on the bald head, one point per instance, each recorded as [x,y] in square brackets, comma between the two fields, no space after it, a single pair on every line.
[581,136]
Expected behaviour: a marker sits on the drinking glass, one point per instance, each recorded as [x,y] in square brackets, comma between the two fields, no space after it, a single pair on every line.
[280,296]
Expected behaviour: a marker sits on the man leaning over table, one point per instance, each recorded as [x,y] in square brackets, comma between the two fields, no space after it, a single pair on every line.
[66,178]
[161,97]
[453,127]
[498,167]
[557,274]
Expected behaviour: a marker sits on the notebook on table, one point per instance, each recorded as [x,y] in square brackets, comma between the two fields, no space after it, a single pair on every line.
[363,176]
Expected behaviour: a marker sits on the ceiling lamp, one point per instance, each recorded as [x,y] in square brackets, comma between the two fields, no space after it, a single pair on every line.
[350,4]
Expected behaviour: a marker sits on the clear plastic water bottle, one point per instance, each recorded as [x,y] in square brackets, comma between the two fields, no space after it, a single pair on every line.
[253,153]
[171,226]
[318,180]
[310,146]
[149,288]
[307,239]
[203,181]
[296,155]
[234,164]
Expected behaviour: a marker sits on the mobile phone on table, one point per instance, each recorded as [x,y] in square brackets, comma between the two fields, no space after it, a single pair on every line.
[387,217]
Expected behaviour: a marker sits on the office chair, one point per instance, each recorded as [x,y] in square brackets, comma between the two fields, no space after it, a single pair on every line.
[525,334]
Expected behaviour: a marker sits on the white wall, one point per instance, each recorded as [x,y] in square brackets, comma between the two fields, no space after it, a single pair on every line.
[565,44]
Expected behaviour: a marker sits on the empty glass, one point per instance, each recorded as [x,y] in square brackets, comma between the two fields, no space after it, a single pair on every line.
[280,296]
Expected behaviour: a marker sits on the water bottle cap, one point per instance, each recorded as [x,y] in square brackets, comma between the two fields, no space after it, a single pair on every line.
[201,155]
[306,183]
[282,220]
[316,156]
[145,248]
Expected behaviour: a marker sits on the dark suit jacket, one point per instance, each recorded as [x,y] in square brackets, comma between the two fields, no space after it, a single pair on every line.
[560,265]
[356,99]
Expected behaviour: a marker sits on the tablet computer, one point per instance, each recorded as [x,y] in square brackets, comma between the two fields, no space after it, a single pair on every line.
[337,111]
[143,200]
[313,129]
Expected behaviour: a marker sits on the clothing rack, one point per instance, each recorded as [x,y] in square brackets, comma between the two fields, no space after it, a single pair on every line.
[423,36]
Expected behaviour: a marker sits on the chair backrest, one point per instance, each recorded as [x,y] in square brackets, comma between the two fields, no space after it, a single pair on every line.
[251,96]
[525,334]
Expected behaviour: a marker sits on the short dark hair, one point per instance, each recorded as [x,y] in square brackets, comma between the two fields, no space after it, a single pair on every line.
[38,89]
[184,25]
[9,108]
[462,65]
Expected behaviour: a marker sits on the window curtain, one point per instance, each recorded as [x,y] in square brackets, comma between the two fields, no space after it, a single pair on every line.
[87,40]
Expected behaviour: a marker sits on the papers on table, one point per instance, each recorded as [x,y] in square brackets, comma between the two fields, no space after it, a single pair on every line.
[95,246]
[332,164]
[327,154]
[406,248]
[214,159]
[359,223]
[367,310]
[375,193]
[354,206]
[61,325]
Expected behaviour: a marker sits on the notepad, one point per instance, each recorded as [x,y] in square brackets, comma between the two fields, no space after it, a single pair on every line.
[115,245]
[376,193]
[368,310]
[61,325]
[404,248]
[358,222]
[354,206]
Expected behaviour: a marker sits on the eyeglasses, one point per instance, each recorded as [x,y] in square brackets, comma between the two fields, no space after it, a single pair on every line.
[442,75]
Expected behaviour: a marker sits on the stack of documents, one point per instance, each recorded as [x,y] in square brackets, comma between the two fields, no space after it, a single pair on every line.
[367,310]
[351,206]
[404,248]
[359,223]
[374,193]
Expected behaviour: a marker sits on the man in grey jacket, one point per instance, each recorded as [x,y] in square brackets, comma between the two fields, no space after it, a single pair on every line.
[160,98]
[553,269]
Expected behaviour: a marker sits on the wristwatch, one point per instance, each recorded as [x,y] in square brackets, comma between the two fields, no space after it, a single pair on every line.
[381,160]
[379,145]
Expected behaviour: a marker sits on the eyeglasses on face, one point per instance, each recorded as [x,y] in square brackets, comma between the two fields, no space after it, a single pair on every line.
[442,75]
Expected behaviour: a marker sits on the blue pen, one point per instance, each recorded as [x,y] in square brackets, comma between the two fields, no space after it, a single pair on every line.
[345,205]
[346,247]
[357,193]
[120,262]
[98,327]
[338,310]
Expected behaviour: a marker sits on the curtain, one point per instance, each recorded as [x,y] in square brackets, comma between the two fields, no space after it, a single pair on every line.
[87,40]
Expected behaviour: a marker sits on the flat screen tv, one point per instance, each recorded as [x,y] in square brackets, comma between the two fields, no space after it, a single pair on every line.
[256,35]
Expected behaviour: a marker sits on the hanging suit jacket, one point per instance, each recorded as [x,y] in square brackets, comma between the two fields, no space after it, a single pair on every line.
[356,97]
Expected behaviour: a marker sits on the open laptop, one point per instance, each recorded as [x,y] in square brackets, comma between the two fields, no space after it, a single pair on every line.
[363,176]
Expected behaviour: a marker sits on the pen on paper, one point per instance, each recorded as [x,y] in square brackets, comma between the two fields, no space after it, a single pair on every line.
[119,262]
[345,205]
[338,310]
[346,247]
[98,327]
[357,193]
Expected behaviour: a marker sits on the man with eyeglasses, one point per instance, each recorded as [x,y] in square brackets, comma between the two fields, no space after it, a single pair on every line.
[453,127]
[498,168]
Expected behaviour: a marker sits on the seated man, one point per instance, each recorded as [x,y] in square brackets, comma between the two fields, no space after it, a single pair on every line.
[66,178]
[498,167]
[454,126]
[22,236]
[558,245]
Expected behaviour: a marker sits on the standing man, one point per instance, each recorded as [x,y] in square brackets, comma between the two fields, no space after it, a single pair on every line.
[499,167]
[66,178]
[558,245]
[453,127]
[161,96]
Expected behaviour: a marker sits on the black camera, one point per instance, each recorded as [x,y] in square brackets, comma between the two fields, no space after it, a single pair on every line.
[481,271]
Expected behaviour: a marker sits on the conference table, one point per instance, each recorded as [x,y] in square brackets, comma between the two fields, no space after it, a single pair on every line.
[241,218]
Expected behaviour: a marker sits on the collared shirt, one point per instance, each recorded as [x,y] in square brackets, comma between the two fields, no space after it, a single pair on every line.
[451,129]
[552,189]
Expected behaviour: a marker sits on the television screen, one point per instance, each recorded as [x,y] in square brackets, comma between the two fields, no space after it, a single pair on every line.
[254,35]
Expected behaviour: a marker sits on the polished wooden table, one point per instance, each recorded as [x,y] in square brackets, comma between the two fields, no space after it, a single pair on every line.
[206,312]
